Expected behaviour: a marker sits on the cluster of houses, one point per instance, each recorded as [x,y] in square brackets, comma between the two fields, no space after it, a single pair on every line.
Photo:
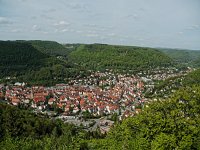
[164,73]
[111,94]
[100,94]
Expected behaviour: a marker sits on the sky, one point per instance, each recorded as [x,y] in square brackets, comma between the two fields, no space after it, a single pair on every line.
[149,23]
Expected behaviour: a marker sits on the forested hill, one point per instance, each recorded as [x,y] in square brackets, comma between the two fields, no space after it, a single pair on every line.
[182,56]
[193,78]
[16,58]
[101,56]
[38,61]
[21,129]
[20,59]
[50,47]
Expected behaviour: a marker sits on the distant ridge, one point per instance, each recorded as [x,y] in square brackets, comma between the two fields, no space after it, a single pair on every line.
[22,61]
[48,62]
[50,47]
[182,55]
[103,56]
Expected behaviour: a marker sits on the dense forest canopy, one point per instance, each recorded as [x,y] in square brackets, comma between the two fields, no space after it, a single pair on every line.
[47,62]
[16,58]
[183,56]
[21,129]
[193,78]
[50,47]
[102,56]
[26,63]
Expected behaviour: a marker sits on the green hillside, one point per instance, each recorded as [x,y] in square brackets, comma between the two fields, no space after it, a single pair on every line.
[17,58]
[36,62]
[22,60]
[21,129]
[193,78]
[182,56]
[101,57]
[50,47]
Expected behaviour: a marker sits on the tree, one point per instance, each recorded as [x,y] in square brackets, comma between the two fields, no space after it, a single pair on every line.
[166,124]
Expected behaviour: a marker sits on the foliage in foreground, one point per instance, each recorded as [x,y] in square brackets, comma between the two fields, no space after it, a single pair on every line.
[192,78]
[21,129]
[164,125]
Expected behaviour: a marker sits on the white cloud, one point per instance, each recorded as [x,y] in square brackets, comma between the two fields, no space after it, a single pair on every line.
[78,31]
[92,35]
[61,23]
[141,39]
[61,26]
[64,30]
[36,28]
[102,29]
[196,26]
[77,6]
[134,16]
[180,33]
[44,32]
[193,27]
[146,20]
[91,31]
[112,34]
[90,25]
[5,21]
[16,30]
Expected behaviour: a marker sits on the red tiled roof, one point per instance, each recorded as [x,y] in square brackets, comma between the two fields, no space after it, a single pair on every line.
[52,99]
[15,100]
[39,99]
[102,107]
[82,102]
[113,107]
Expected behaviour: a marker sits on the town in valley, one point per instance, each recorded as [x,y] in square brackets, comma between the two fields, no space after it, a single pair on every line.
[92,102]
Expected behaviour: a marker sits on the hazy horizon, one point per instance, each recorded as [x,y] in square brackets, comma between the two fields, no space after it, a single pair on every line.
[156,23]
